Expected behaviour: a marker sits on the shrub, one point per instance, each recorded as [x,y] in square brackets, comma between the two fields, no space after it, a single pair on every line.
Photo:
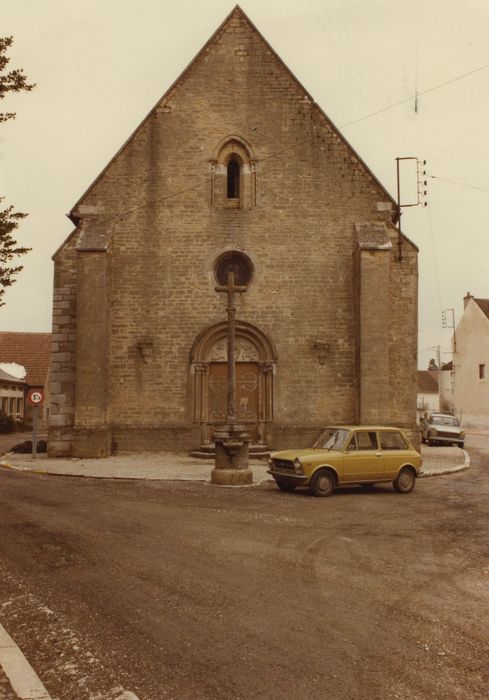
[7,423]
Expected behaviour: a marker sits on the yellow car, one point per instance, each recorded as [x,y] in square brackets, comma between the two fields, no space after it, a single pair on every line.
[349,454]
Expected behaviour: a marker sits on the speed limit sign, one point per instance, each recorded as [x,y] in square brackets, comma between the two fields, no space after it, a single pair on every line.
[35,397]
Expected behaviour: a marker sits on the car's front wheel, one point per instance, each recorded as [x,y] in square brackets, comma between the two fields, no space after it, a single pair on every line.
[405,480]
[322,483]
[285,485]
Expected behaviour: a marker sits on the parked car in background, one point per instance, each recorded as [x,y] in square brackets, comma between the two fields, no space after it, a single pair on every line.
[441,429]
[346,455]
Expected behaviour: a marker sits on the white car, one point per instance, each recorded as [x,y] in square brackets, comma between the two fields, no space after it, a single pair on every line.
[442,429]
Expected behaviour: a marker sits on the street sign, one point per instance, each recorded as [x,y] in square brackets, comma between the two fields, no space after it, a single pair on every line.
[35,397]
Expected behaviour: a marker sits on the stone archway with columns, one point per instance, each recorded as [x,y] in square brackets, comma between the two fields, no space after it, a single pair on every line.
[256,361]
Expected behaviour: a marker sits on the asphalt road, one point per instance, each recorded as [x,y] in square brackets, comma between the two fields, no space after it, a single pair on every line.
[188,591]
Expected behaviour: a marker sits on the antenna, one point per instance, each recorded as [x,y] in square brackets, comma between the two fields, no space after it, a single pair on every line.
[416,79]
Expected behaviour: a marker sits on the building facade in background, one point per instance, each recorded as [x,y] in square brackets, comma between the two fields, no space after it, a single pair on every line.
[471,364]
[428,394]
[12,390]
[235,169]
[32,351]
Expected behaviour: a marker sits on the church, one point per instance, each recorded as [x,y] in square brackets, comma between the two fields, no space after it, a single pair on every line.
[235,169]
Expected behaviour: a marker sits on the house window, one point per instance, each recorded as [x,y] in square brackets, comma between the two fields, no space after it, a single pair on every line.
[233,179]
[482,371]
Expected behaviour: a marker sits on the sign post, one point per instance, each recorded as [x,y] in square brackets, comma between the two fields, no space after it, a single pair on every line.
[35,397]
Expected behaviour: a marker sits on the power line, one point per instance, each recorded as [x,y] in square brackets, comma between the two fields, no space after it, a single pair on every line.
[421,92]
[194,186]
[278,153]
[460,184]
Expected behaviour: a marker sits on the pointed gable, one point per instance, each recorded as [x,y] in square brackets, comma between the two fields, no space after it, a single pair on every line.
[273,75]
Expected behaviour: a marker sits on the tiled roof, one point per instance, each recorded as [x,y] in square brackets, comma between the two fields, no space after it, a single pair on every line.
[31,350]
[6,377]
[483,304]
[427,383]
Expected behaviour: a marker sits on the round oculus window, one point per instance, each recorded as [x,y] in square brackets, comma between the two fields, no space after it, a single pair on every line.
[235,262]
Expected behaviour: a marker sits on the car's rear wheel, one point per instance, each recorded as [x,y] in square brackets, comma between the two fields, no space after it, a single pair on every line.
[405,480]
[322,483]
[285,485]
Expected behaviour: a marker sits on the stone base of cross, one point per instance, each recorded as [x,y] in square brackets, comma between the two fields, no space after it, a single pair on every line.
[231,466]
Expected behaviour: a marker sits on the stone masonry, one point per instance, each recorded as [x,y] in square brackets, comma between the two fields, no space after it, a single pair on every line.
[329,321]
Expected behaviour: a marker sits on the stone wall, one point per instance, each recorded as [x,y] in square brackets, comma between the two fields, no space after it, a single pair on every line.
[162,205]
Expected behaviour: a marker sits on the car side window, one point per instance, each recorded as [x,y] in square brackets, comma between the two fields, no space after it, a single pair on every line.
[392,441]
[366,440]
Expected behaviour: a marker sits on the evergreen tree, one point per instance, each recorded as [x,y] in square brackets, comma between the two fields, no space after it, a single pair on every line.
[10,81]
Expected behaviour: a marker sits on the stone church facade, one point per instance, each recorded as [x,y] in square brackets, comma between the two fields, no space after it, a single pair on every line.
[236,168]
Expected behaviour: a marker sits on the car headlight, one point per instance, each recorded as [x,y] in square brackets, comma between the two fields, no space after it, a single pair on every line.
[297,465]
[433,431]
[270,462]
[462,433]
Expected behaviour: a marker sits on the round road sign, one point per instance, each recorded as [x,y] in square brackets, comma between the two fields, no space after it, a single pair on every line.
[35,397]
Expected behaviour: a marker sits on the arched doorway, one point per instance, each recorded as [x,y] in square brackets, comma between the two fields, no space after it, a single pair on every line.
[255,366]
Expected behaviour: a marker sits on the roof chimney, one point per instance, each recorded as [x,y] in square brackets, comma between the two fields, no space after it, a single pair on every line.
[467,298]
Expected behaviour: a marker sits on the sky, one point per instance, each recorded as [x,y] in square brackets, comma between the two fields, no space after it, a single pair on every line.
[101,65]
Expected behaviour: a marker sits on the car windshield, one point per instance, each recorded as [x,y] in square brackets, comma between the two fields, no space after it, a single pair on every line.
[332,439]
[444,420]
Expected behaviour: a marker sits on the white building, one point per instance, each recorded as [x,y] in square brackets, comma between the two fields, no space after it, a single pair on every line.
[471,364]
[11,395]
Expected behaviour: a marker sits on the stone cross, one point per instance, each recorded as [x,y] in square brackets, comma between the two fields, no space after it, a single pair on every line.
[230,289]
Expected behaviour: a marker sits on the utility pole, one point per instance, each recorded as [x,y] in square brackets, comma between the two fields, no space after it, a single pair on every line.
[448,321]
[421,184]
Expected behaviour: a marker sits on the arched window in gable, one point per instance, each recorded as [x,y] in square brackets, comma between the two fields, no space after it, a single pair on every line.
[233,175]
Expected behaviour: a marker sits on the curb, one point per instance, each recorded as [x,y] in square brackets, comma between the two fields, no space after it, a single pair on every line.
[452,470]
[207,482]
[24,680]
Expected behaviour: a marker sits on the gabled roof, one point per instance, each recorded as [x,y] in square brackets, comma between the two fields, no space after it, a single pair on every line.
[237,10]
[427,383]
[31,350]
[6,377]
[483,304]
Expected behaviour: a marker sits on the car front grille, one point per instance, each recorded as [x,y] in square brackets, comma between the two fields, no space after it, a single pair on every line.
[283,464]
[447,436]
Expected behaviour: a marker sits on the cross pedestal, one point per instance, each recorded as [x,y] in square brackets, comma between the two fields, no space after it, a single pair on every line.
[231,467]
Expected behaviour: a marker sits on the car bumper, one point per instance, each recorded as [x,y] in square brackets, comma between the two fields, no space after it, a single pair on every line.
[289,477]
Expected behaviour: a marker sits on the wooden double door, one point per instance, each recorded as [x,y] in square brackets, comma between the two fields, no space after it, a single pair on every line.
[247,396]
